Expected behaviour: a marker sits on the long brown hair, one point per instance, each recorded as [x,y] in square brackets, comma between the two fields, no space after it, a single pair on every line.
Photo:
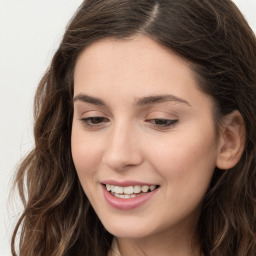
[215,39]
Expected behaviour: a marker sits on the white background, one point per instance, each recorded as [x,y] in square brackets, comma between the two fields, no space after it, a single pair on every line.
[30,31]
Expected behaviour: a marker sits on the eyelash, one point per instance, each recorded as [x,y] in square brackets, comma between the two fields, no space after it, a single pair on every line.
[89,121]
[160,123]
[164,123]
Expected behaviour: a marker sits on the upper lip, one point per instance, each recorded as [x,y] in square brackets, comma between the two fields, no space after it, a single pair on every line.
[126,183]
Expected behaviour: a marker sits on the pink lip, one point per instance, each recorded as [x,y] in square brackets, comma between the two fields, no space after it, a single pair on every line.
[125,183]
[127,203]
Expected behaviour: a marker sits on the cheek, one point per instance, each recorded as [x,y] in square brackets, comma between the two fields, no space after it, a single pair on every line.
[185,161]
[86,153]
[86,157]
[186,167]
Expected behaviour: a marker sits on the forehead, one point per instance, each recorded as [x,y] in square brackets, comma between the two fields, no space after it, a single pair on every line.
[133,68]
[133,50]
[135,57]
[109,46]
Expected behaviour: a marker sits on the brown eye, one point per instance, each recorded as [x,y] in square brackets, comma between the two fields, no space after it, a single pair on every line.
[163,122]
[94,121]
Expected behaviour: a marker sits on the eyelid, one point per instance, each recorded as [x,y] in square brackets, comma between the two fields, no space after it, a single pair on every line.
[161,115]
[91,113]
[161,120]
[99,118]
[89,124]
[162,124]
[88,117]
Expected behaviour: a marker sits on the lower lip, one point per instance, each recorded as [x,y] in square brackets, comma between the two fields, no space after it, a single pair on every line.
[127,203]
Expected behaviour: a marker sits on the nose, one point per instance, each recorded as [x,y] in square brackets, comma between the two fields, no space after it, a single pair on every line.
[122,149]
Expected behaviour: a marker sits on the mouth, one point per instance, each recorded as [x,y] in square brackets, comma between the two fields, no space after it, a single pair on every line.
[130,191]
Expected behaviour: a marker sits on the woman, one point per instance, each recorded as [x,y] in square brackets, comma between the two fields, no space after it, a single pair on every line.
[145,134]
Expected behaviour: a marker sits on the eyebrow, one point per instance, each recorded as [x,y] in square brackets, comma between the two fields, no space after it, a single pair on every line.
[155,99]
[89,99]
[148,100]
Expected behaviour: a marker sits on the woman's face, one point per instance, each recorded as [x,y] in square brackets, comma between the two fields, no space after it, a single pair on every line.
[140,124]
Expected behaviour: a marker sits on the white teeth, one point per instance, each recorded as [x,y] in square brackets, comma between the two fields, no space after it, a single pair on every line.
[130,190]
[152,187]
[136,189]
[145,188]
[125,196]
[118,190]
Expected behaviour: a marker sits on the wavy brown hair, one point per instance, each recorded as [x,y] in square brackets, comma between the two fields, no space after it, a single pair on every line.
[214,37]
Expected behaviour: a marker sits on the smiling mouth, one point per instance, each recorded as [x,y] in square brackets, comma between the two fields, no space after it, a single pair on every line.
[130,191]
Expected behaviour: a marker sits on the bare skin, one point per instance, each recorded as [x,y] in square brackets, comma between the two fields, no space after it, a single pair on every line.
[139,115]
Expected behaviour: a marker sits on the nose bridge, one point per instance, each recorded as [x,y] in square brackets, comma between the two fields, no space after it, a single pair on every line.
[122,147]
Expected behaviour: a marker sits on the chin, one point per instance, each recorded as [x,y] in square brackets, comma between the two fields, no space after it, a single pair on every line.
[131,234]
[126,230]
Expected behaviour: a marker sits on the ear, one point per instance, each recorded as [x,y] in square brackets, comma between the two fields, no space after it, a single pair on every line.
[231,140]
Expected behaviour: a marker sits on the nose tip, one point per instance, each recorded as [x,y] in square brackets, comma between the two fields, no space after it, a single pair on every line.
[115,163]
[120,159]
[122,152]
